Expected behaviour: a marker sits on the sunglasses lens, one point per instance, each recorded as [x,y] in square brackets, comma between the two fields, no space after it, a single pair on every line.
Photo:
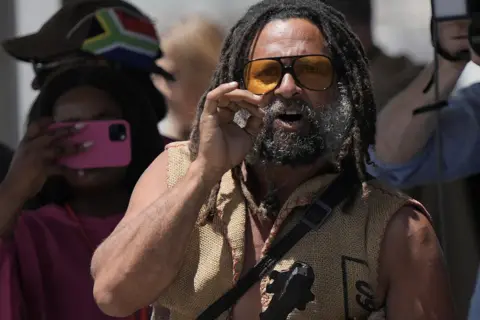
[314,72]
[262,76]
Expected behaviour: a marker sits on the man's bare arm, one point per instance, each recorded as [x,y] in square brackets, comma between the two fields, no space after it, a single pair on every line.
[144,253]
[400,135]
[412,273]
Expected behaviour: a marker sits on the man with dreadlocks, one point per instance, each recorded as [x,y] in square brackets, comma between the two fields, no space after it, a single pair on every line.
[207,210]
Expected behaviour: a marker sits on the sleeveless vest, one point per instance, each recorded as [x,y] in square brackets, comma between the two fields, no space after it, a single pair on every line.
[343,253]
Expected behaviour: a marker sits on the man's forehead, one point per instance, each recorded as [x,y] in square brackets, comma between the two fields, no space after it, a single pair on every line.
[289,38]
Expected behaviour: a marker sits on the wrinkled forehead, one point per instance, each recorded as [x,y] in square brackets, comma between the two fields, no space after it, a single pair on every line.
[290,37]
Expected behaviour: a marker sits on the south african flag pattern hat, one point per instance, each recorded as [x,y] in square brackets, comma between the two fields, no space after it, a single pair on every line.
[111,29]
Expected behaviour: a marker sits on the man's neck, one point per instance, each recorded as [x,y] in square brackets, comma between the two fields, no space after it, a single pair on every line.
[286,179]
[102,203]
[175,126]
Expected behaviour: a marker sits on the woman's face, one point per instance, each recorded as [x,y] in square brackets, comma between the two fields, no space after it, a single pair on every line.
[84,104]
[183,94]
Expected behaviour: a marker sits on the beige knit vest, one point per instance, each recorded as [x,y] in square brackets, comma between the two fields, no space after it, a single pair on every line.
[343,253]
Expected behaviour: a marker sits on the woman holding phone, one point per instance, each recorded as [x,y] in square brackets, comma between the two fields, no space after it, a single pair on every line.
[45,254]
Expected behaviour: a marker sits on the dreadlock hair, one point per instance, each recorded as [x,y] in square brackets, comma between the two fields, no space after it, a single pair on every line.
[349,61]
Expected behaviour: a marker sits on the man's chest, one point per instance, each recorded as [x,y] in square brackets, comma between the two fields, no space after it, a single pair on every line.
[307,278]
[256,233]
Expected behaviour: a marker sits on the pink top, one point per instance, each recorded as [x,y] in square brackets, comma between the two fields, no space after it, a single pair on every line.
[45,267]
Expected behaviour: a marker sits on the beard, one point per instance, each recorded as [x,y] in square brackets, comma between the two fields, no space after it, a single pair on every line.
[322,133]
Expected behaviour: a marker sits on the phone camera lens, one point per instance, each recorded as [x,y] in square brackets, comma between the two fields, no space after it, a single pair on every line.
[118,132]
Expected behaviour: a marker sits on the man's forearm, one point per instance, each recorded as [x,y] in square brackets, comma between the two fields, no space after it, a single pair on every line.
[400,135]
[142,256]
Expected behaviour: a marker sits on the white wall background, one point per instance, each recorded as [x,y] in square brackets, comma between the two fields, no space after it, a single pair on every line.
[29,17]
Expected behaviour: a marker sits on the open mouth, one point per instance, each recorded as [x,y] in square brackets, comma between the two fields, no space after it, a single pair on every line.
[290,116]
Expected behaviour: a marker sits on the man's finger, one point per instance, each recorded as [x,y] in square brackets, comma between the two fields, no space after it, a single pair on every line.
[253,126]
[211,102]
[225,115]
[236,106]
[244,95]
[252,109]
[228,105]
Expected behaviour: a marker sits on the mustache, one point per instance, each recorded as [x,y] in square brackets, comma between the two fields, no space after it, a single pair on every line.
[276,108]
[281,106]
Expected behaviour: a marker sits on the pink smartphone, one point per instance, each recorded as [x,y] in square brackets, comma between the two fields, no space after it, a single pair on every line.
[111,144]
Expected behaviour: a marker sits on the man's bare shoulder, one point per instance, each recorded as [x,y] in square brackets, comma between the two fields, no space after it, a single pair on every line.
[161,174]
[379,191]
[412,268]
[410,227]
[409,237]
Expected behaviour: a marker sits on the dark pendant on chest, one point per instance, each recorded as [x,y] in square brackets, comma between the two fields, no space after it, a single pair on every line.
[291,290]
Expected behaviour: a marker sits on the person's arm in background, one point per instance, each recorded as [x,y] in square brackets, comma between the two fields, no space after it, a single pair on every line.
[460,138]
[400,134]
[405,149]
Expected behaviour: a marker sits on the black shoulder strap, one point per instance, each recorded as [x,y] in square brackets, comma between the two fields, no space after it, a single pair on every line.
[314,217]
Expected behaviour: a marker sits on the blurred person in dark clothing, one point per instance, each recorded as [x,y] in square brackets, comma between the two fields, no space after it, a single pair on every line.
[389,74]
[57,43]
[6,154]
[192,48]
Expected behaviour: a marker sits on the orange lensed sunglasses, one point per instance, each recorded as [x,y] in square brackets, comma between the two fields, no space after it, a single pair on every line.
[312,72]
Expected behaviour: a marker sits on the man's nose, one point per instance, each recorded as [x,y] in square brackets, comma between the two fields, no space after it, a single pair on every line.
[288,87]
